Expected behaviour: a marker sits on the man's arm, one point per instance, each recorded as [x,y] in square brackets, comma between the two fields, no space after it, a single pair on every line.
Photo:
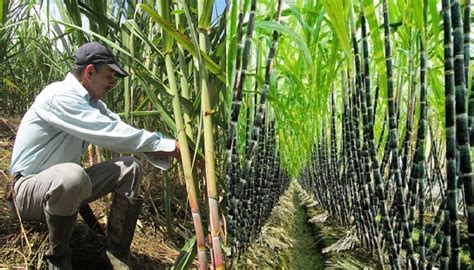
[74,115]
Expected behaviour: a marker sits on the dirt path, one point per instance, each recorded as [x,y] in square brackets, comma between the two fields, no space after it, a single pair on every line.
[299,234]
[287,240]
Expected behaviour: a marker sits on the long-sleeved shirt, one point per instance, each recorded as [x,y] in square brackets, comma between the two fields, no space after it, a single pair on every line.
[62,122]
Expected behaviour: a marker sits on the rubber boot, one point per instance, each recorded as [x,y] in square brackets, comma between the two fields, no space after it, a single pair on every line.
[60,230]
[120,229]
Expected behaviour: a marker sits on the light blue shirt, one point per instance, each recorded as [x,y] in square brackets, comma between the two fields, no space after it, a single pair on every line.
[62,122]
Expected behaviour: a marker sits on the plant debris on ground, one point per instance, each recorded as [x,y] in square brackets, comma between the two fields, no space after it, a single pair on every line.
[295,235]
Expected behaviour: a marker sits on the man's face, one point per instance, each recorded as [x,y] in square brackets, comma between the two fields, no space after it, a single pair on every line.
[102,81]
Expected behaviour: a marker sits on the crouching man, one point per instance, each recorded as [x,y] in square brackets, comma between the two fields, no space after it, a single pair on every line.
[49,182]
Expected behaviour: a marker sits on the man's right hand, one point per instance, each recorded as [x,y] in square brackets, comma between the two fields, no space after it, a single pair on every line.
[199,161]
[176,153]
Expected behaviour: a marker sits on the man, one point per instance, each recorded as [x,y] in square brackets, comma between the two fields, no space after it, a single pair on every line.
[49,182]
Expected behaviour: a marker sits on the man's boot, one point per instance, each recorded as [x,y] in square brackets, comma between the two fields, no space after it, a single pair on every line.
[120,229]
[60,230]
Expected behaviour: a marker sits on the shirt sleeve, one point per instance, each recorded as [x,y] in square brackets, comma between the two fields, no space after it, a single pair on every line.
[105,111]
[74,115]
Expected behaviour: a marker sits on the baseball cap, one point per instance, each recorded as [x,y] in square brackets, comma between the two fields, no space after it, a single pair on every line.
[96,53]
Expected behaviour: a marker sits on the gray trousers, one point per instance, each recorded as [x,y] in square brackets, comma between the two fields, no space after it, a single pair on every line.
[63,188]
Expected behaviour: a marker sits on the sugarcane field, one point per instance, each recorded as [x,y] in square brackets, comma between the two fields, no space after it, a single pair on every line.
[236,134]
[363,107]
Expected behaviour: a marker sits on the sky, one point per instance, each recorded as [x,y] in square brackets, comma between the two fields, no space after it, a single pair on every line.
[219,6]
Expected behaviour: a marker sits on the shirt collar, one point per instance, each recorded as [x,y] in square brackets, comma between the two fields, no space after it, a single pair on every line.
[71,79]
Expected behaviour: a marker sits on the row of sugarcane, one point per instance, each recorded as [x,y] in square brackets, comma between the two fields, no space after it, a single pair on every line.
[254,177]
[387,206]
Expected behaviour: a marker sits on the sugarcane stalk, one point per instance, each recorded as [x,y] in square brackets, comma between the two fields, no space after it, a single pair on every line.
[451,219]
[260,111]
[242,57]
[462,136]
[393,134]
[355,164]
[407,140]
[466,38]
[204,15]
[335,168]
[365,181]
[183,141]
[243,53]
[419,171]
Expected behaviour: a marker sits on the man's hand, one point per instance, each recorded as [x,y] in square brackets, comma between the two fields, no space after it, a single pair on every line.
[162,154]
[198,162]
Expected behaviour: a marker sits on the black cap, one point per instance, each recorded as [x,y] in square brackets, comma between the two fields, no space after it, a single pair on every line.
[96,53]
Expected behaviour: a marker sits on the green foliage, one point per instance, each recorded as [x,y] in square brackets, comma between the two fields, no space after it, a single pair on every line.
[315,54]
[187,254]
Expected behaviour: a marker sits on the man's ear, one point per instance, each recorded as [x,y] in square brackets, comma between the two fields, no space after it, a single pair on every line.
[88,71]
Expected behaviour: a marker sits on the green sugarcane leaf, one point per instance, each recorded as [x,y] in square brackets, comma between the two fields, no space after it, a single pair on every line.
[164,12]
[177,12]
[93,15]
[187,105]
[338,12]
[418,16]
[435,21]
[205,13]
[10,83]
[165,115]
[187,255]
[296,12]
[134,29]
[60,35]
[105,40]
[98,16]
[273,26]
[74,14]
[143,104]
[151,78]
[185,42]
